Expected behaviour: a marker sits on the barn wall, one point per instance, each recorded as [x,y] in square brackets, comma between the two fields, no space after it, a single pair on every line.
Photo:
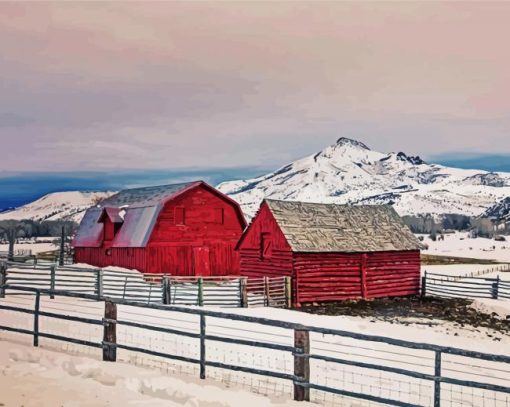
[197,219]
[253,264]
[392,273]
[131,258]
[340,276]
[327,277]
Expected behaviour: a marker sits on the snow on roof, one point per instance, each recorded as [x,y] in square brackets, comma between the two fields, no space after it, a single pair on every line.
[313,227]
[140,207]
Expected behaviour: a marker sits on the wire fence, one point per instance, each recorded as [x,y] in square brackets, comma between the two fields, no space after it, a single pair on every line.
[320,364]
[229,291]
[443,285]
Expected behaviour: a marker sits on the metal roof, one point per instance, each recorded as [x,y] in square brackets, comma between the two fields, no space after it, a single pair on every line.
[313,227]
[142,207]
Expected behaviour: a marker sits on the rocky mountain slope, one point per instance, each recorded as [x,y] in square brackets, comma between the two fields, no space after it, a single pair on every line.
[501,210]
[349,172]
[57,206]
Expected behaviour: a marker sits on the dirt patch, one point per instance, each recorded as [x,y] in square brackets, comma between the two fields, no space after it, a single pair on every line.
[415,310]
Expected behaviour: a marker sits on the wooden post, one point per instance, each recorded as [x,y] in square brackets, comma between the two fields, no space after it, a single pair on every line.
[3,278]
[165,287]
[301,364]
[11,236]
[99,284]
[437,382]
[202,346]
[200,292]
[424,285]
[36,317]
[288,292]
[243,292]
[62,246]
[266,291]
[52,281]
[495,288]
[363,272]
[110,332]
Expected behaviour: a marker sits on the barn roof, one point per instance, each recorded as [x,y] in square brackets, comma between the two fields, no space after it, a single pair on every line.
[141,206]
[313,227]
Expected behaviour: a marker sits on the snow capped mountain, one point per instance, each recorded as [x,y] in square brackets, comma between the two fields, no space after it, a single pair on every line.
[57,206]
[349,172]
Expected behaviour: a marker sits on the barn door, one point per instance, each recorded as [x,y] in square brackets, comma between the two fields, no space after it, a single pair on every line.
[201,263]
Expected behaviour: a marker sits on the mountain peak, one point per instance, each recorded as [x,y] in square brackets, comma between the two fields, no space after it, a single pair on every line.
[345,141]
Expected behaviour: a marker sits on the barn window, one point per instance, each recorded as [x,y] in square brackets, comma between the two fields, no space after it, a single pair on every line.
[180,215]
[266,245]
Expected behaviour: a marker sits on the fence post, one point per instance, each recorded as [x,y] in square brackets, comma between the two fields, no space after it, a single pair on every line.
[424,285]
[166,290]
[437,381]
[288,292]
[62,246]
[363,276]
[99,283]
[52,281]
[202,346]
[243,292]
[266,291]
[110,332]
[495,288]
[200,292]
[36,317]
[301,364]
[3,278]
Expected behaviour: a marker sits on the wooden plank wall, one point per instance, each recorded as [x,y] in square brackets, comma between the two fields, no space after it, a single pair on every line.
[130,258]
[327,277]
[393,273]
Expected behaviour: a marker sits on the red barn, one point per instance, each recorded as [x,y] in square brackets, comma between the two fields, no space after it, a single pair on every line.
[183,229]
[332,252]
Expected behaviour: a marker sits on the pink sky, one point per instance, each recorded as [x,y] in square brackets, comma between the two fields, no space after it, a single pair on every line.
[170,84]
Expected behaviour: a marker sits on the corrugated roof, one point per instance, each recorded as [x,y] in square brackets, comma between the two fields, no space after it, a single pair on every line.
[313,227]
[142,206]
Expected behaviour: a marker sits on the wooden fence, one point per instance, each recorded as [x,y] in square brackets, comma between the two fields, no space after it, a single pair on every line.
[229,291]
[447,368]
[465,287]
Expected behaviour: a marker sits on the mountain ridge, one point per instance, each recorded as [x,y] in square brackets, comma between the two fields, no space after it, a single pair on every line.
[349,172]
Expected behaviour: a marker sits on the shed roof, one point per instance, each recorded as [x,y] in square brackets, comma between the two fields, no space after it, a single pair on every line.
[142,206]
[314,227]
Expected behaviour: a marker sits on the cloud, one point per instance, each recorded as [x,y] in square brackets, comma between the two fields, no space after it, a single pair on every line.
[174,84]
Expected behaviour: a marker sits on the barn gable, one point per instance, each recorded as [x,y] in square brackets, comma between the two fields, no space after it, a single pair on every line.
[313,227]
[140,208]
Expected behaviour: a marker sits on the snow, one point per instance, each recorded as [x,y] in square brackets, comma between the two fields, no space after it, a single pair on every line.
[42,377]
[57,206]
[35,247]
[349,172]
[490,306]
[460,245]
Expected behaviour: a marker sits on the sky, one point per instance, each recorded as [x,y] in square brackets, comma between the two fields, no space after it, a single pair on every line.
[149,86]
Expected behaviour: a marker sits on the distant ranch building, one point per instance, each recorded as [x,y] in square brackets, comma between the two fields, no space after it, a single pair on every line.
[188,229]
[332,252]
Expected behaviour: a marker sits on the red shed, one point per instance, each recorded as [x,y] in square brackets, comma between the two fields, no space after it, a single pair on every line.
[183,229]
[332,252]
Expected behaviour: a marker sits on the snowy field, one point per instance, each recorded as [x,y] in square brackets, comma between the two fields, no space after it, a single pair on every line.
[460,245]
[34,377]
[356,379]
[35,247]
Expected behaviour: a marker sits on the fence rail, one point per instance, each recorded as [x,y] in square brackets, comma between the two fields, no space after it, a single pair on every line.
[446,367]
[227,291]
[465,287]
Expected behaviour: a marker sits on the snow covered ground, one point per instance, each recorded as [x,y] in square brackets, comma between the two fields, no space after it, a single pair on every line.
[340,376]
[35,247]
[41,377]
[460,245]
